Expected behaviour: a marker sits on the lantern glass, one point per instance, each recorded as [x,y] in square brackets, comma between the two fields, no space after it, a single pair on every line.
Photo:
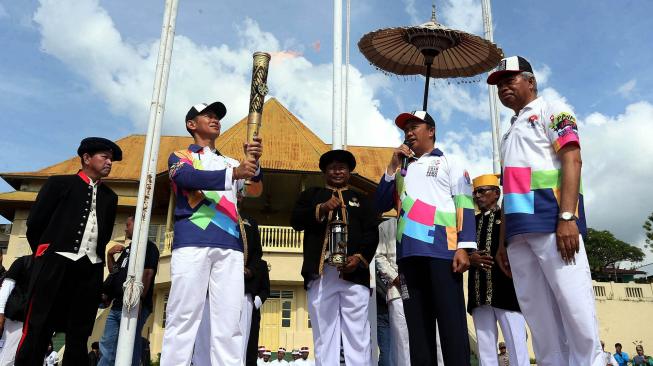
[337,242]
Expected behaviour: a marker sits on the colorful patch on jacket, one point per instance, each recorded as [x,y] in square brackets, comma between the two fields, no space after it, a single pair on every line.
[563,123]
[422,221]
[214,208]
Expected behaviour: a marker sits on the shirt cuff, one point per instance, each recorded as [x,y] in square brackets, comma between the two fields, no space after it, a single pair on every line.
[467,245]
[228,178]
[7,287]
[257,302]
[389,178]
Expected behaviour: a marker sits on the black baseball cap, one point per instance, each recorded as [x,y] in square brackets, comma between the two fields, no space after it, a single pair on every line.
[218,108]
[509,65]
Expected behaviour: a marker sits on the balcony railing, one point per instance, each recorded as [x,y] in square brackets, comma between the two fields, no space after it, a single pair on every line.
[281,239]
[273,239]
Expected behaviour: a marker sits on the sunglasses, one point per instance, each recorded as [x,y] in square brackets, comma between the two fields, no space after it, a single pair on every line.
[482,190]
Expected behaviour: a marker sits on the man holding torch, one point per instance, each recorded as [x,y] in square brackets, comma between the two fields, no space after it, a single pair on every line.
[207,251]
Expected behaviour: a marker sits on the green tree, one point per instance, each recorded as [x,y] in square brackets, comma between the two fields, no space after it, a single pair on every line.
[604,250]
[648,231]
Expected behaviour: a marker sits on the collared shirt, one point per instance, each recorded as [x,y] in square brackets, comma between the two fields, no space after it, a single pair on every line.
[504,360]
[531,168]
[609,359]
[277,362]
[622,358]
[88,245]
[205,214]
[437,211]
[304,362]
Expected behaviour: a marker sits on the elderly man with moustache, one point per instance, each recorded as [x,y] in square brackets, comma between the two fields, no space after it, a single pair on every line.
[544,221]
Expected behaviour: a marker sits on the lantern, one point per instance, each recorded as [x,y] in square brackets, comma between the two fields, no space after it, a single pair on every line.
[337,230]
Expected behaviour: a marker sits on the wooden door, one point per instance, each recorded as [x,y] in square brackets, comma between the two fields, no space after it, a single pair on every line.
[270,324]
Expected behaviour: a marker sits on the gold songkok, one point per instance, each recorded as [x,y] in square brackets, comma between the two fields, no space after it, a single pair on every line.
[486,180]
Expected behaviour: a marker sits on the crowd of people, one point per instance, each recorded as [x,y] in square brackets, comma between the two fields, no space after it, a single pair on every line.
[299,357]
[621,358]
[526,258]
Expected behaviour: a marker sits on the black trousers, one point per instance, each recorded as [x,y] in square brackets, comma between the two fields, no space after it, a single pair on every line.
[64,298]
[435,292]
[252,344]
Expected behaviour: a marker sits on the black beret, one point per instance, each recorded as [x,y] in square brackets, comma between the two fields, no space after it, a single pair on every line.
[91,145]
[342,156]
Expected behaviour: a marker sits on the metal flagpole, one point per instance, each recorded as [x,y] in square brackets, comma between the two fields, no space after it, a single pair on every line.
[492,90]
[336,114]
[345,110]
[133,285]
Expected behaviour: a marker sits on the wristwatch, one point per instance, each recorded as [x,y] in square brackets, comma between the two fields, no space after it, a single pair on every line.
[567,216]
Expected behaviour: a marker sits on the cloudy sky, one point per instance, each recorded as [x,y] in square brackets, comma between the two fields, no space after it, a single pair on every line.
[76,68]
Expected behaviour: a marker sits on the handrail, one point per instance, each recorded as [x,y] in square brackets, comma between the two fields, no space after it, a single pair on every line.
[273,239]
[281,239]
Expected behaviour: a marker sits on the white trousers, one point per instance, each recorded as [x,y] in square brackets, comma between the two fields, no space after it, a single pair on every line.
[338,311]
[557,301]
[201,353]
[11,337]
[193,272]
[246,321]
[513,327]
[399,332]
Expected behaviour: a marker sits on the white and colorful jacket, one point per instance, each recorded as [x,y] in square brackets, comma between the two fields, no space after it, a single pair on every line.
[436,213]
[206,213]
[532,171]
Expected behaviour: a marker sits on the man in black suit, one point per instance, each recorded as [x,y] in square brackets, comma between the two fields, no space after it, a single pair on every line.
[257,287]
[68,228]
[338,297]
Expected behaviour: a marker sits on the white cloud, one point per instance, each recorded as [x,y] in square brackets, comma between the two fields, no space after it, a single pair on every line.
[617,170]
[3,12]
[542,75]
[409,7]
[446,97]
[122,74]
[627,88]
[472,151]
[465,15]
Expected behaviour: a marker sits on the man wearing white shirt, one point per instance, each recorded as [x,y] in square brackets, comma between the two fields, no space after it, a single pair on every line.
[281,353]
[544,221]
[266,358]
[52,357]
[259,357]
[295,356]
[304,361]
[609,358]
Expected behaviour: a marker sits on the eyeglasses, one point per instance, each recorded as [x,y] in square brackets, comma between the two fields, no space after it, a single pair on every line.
[478,191]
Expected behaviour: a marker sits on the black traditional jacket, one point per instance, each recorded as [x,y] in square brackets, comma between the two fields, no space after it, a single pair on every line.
[59,214]
[491,287]
[259,283]
[363,234]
